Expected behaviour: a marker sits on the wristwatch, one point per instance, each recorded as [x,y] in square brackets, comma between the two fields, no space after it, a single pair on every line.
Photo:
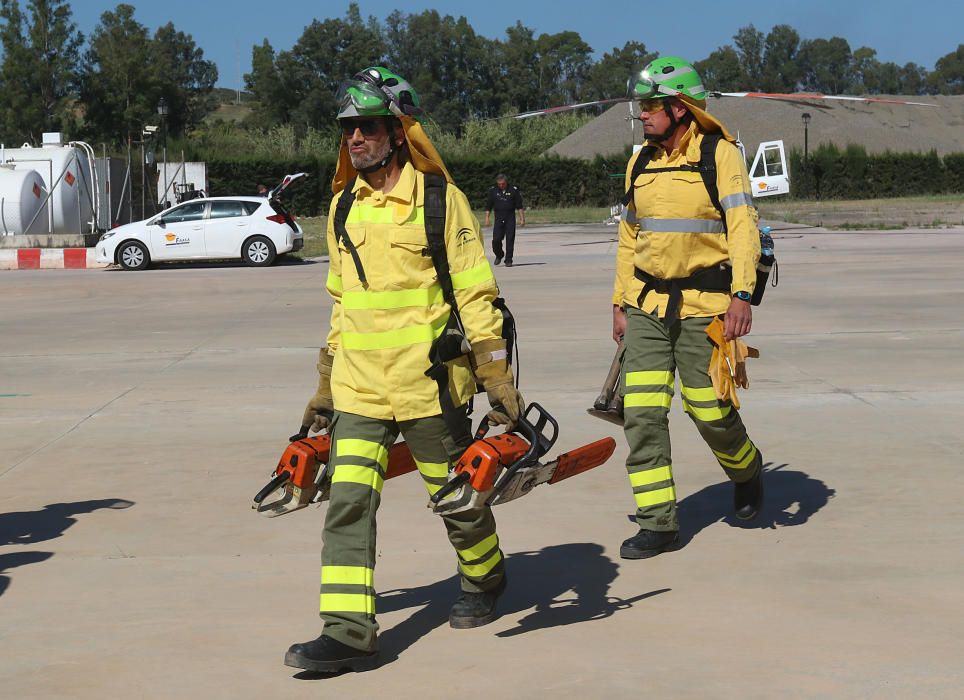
[743,296]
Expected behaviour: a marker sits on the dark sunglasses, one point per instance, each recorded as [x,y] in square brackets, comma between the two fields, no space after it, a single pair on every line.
[368,127]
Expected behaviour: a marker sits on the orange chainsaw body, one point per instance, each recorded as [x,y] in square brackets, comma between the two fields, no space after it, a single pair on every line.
[484,458]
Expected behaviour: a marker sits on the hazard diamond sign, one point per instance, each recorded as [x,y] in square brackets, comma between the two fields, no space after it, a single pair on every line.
[69,178]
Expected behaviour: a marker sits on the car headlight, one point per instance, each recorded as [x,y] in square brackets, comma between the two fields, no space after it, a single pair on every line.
[107,235]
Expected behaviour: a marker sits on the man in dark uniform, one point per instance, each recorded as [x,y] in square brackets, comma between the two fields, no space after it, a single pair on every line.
[505,199]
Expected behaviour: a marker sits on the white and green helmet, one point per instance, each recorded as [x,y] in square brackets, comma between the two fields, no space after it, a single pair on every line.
[669,76]
[377,92]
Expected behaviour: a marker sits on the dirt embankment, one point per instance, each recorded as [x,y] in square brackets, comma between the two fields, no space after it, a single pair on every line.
[910,212]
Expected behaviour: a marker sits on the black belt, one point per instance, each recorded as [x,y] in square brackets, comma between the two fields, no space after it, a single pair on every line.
[709,279]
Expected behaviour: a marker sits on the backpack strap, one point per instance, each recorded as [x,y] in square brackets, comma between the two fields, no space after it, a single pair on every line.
[642,160]
[435,189]
[341,233]
[708,172]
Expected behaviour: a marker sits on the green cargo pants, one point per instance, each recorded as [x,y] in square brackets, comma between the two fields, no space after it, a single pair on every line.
[359,459]
[654,353]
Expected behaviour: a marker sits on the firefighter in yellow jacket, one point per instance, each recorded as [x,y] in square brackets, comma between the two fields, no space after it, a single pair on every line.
[390,314]
[683,259]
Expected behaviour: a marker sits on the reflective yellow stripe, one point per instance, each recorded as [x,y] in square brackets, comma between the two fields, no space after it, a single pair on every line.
[707,393]
[743,463]
[351,575]
[348,602]
[353,474]
[351,447]
[334,282]
[651,476]
[477,550]
[653,498]
[648,399]
[400,337]
[361,214]
[706,414]
[433,469]
[482,569]
[473,276]
[649,378]
[393,300]
[432,488]
[738,456]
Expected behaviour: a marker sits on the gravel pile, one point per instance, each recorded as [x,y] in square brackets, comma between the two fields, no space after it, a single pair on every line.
[878,127]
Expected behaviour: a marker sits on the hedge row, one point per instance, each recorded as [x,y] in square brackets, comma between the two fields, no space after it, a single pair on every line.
[829,173]
[852,173]
[545,182]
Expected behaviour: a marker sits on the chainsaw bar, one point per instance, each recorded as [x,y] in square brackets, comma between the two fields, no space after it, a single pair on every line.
[566,465]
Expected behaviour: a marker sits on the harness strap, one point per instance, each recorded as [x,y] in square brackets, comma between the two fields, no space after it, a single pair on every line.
[709,279]
[341,233]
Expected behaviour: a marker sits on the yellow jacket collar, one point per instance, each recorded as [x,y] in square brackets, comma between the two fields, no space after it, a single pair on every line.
[406,194]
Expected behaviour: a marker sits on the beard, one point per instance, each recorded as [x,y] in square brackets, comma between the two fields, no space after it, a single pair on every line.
[360,162]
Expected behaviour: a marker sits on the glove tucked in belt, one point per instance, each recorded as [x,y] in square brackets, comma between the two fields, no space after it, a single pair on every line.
[728,363]
[491,364]
[320,406]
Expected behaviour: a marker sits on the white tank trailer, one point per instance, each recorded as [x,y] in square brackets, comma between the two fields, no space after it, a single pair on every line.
[67,177]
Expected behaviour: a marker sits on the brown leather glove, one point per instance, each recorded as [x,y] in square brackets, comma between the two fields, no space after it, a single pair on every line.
[491,364]
[320,406]
[727,368]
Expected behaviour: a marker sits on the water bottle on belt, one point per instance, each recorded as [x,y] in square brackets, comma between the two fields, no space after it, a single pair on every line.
[767,261]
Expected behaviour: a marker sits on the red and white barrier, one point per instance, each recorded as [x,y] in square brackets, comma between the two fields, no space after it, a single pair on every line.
[48,259]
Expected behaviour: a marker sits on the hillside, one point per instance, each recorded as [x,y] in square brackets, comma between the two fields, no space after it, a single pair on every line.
[878,127]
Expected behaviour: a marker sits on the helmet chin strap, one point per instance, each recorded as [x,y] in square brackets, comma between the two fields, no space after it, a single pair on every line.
[383,162]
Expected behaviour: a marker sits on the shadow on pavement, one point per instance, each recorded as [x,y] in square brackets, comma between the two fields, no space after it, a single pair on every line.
[539,580]
[31,527]
[790,498]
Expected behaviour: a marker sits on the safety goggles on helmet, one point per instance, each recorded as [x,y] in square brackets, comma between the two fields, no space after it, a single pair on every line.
[642,86]
[369,93]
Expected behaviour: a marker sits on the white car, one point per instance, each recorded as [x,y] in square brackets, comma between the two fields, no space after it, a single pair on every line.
[254,229]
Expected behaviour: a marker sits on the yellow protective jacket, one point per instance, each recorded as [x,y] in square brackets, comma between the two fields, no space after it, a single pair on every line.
[380,334]
[671,228]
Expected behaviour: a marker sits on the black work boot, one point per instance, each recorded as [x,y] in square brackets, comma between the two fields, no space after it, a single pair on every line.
[648,543]
[498,259]
[475,609]
[748,495]
[327,655]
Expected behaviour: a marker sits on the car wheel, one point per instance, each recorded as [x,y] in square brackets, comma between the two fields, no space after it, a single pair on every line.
[133,256]
[258,251]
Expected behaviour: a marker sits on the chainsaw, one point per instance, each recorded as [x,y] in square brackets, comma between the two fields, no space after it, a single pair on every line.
[492,470]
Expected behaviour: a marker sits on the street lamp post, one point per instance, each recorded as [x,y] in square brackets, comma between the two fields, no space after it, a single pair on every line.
[162,112]
[806,150]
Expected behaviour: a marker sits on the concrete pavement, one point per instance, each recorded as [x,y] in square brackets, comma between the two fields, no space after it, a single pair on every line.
[140,412]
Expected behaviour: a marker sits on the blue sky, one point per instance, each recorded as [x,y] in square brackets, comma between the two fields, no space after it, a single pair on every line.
[900,31]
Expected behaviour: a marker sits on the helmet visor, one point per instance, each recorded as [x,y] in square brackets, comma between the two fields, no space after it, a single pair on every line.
[357,98]
[642,86]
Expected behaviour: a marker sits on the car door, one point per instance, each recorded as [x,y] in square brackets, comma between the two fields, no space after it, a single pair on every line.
[227,225]
[179,233]
[769,176]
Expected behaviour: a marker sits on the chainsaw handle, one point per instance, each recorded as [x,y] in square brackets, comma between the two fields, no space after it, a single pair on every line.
[450,487]
[277,482]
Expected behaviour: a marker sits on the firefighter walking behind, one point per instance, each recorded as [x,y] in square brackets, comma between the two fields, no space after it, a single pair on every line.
[686,255]
[391,312]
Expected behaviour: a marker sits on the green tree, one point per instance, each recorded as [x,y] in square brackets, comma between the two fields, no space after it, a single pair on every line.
[750,44]
[948,75]
[38,74]
[117,92]
[273,101]
[608,76]
[780,71]
[867,72]
[913,79]
[827,65]
[453,69]
[182,77]
[519,56]
[722,71]
[564,61]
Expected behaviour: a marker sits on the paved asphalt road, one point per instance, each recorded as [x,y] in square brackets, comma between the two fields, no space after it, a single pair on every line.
[140,412]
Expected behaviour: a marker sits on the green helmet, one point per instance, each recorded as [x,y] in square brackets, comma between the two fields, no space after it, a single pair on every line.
[669,76]
[377,92]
